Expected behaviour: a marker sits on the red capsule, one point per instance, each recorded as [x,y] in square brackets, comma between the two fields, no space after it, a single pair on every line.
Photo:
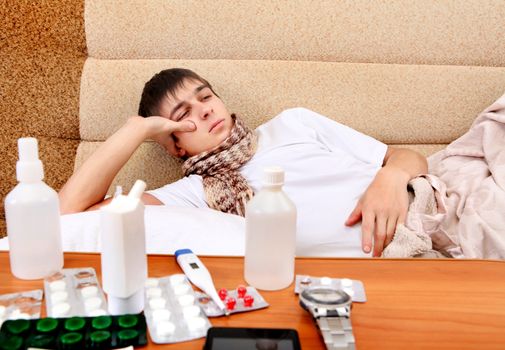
[223,293]
[230,303]
[241,291]
[248,301]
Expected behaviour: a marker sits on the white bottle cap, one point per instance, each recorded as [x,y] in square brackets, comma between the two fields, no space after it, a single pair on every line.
[273,176]
[137,189]
[29,167]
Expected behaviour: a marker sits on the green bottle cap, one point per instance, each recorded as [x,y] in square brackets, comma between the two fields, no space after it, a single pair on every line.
[127,337]
[101,322]
[128,321]
[43,341]
[46,325]
[100,338]
[17,327]
[74,324]
[12,343]
[71,339]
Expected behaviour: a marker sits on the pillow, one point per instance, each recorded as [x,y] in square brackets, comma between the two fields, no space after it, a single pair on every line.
[168,228]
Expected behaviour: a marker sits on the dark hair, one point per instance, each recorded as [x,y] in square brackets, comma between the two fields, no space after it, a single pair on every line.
[162,84]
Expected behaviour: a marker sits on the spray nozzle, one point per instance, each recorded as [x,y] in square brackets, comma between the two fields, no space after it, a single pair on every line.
[29,167]
[137,189]
[28,149]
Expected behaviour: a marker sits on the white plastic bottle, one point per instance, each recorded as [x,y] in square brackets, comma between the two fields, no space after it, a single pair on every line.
[269,262]
[124,260]
[33,218]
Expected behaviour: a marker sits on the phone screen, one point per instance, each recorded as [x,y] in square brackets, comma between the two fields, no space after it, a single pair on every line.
[251,344]
[222,338]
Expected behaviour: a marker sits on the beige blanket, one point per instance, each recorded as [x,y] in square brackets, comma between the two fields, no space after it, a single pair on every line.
[466,217]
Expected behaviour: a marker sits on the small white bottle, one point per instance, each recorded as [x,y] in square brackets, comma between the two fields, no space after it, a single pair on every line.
[124,260]
[32,213]
[269,262]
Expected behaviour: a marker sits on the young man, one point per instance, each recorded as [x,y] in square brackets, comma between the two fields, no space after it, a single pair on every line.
[336,176]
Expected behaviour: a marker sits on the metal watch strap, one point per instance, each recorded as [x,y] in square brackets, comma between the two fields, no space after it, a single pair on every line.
[337,331]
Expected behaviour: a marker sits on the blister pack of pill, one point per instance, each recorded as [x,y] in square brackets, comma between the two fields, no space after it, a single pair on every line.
[240,299]
[74,292]
[172,312]
[354,288]
[97,333]
[24,305]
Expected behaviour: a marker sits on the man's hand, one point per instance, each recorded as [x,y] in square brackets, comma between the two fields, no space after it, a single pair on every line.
[160,129]
[383,206]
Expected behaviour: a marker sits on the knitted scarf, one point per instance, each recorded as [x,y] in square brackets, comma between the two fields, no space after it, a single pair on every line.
[225,188]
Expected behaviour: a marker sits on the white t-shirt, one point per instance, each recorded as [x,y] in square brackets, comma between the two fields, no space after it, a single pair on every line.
[327,165]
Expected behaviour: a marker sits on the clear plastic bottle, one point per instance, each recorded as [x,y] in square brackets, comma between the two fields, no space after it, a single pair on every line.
[33,218]
[269,262]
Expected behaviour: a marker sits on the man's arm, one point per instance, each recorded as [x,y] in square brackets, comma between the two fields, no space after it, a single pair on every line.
[385,202]
[89,184]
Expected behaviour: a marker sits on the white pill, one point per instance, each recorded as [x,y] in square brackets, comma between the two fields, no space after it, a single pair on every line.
[14,314]
[177,279]
[181,289]
[92,304]
[60,309]
[325,281]
[346,282]
[89,291]
[153,292]
[2,311]
[152,282]
[186,300]
[161,315]
[57,285]
[196,323]
[157,303]
[97,312]
[58,297]
[165,329]
[191,311]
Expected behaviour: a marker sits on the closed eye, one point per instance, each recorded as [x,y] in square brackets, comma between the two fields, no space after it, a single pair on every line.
[183,115]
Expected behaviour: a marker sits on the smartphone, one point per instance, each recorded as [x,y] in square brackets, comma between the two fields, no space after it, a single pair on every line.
[229,338]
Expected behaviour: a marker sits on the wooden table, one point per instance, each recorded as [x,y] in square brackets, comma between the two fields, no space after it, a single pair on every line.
[412,304]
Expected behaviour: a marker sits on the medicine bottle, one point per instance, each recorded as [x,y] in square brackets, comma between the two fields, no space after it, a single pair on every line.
[33,218]
[270,235]
[124,259]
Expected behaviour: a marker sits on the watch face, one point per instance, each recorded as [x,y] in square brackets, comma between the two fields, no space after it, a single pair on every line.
[325,296]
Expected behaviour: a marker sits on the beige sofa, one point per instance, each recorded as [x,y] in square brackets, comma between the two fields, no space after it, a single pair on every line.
[409,73]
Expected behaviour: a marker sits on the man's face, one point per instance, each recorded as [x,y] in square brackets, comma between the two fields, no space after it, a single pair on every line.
[195,102]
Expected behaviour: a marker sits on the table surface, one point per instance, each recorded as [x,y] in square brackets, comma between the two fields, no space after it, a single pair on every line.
[412,303]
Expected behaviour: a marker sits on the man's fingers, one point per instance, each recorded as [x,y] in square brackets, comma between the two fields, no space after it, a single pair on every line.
[171,148]
[184,126]
[380,235]
[367,229]
[355,216]
[391,229]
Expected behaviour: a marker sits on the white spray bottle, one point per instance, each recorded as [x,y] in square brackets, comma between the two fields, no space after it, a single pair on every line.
[124,260]
[33,218]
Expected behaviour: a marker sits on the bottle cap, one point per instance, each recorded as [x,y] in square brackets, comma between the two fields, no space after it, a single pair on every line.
[137,189]
[273,176]
[29,167]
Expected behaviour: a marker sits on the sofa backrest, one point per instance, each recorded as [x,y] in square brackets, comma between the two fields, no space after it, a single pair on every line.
[409,73]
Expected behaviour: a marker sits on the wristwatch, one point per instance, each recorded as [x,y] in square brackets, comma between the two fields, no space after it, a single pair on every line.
[331,309]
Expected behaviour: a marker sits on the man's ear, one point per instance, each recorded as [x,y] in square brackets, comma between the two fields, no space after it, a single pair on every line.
[180,151]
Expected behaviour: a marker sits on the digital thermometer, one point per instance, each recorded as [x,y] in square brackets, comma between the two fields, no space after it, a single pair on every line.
[198,274]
